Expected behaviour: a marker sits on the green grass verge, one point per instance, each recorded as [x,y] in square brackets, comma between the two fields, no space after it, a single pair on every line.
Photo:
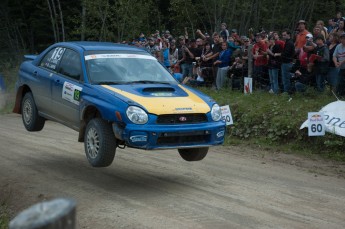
[4,218]
[273,122]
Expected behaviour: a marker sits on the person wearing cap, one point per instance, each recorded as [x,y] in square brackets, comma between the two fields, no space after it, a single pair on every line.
[224,33]
[301,36]
[247,55]
[339,62]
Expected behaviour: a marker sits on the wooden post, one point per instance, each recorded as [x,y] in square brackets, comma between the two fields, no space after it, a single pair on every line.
[54,214]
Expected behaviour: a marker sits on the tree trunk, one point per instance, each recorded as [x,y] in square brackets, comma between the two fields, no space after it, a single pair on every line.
[61,19]
[83,20]
[52,20]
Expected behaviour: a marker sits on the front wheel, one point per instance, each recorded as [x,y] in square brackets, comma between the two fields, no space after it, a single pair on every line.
[31,119]
[193,154]
[100,143]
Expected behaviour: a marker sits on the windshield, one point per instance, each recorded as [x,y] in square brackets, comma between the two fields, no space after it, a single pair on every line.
[126,69]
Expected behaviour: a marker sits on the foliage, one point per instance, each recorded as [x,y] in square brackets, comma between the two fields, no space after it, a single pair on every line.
[30,26]
[274,121]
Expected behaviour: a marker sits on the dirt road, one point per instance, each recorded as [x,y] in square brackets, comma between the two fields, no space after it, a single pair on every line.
[231,188]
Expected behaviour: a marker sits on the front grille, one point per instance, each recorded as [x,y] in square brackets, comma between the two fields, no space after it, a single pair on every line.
[181,118]
[195,137]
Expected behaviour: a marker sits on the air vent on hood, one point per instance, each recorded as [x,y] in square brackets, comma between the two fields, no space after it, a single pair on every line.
[158,89]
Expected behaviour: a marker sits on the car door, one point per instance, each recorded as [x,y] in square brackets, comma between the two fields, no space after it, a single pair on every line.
[67,88]
[43,74]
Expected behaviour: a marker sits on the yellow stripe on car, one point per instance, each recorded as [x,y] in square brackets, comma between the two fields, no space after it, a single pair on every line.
[167,105]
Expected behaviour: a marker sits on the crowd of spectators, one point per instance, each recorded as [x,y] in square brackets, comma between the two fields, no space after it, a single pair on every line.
[293,62]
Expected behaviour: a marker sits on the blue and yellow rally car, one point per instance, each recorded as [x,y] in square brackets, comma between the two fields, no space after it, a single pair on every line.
[116,96]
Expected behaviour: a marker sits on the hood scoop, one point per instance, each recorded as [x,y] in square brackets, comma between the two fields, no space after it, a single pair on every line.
[159,91]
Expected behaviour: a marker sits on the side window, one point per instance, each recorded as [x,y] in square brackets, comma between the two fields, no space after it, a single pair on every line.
[52,59]
[70,65]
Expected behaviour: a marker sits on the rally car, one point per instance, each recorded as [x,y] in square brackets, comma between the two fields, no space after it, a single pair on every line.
[116,96]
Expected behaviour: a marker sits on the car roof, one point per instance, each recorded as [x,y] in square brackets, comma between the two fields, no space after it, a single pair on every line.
[94,45]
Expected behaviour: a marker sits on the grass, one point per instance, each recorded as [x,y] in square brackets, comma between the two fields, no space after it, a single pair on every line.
[272,122]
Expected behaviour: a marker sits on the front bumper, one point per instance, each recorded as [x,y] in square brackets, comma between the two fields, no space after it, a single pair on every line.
[171,136]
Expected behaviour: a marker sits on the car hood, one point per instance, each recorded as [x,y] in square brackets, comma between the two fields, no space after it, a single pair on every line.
[162,99]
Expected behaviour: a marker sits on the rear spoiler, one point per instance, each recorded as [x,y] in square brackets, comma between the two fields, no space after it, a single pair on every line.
[29,57]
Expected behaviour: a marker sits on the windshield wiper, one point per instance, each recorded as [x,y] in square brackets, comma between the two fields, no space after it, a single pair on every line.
[108,82]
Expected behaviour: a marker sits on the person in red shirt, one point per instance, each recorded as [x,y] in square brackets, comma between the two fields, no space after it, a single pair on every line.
[301,36]
[277,40]
[260,60]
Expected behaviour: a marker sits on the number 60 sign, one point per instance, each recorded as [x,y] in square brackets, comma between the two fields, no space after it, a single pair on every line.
[316,126]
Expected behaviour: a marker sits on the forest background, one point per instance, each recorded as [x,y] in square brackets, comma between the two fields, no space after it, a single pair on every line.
[30,26]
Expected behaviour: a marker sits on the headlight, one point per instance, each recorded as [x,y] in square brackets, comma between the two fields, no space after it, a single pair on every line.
[137,115]
[216,112]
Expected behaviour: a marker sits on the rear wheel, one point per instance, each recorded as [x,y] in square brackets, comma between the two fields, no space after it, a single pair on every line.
[193,154]
[99,143]
[31,119]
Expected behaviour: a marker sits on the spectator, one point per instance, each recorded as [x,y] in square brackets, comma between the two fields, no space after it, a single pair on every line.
[153,48]
[199,43]
[260,60]
[216,49]
[274,62]
[338,18]
[224,33]
[223,65]
[301,77]
[247,55]
[181,57]
[339,62]
[232,44]
[333,72]
[331,25]
[317,31]
[277,39]
[189,54]
[301,36]
[206,65]
[165,54]
[340,29]
[234,34]
[287,57]
[173,57]
[236,73]
[324,32]
[321,63]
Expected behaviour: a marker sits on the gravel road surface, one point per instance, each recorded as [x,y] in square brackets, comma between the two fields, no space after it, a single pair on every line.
[232,187]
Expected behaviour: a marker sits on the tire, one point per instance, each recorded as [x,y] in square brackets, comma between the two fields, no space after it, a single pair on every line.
[100,143]
[193,154]
[31,119]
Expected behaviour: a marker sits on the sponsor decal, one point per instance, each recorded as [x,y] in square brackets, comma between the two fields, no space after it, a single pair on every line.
[183,109]
[71,92]
[138,138]
[114,56]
